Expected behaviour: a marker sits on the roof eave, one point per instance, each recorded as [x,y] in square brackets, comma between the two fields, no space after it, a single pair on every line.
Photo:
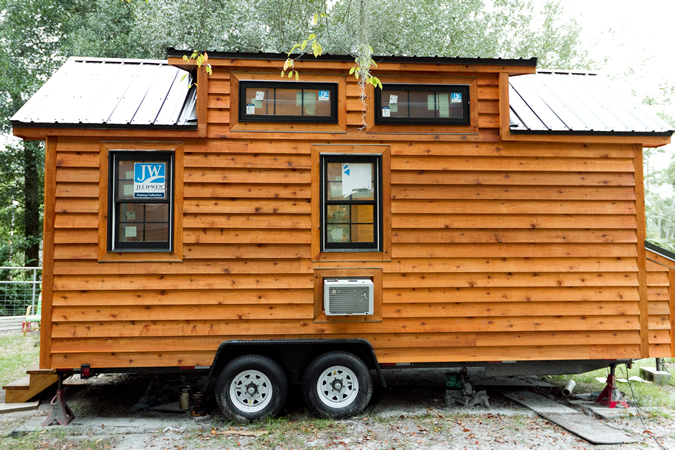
[175,57]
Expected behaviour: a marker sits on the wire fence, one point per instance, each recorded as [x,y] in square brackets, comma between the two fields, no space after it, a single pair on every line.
[19,288]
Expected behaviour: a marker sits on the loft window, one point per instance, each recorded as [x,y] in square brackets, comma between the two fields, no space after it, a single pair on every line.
[351,202]
[422,104]
[140,202]
[287,102]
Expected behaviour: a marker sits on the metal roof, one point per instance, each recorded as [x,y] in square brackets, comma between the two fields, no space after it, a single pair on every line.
[556,102]
[530,62]
[112,93]
[660,251]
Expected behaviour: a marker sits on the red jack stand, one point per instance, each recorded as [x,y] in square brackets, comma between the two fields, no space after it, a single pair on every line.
[605,397]
[60,412]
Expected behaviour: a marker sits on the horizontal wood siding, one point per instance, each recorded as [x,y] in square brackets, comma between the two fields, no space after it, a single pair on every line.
[660,333]
[499,252]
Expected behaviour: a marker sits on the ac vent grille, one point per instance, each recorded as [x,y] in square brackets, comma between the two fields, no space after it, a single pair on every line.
[348,297]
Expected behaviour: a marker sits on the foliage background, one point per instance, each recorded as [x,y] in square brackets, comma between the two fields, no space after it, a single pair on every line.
[37,36]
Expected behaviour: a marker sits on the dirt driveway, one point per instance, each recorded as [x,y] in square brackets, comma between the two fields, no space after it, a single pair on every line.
[410,413]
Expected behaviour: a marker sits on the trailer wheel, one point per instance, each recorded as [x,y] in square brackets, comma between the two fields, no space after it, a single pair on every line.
[251,387]
[337,384]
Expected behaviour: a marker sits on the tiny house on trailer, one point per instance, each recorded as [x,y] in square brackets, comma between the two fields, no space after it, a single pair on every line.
[479,213]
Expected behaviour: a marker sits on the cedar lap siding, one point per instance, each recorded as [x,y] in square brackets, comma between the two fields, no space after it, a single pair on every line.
[509,238]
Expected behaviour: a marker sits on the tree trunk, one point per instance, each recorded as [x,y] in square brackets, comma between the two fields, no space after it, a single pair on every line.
[32,194]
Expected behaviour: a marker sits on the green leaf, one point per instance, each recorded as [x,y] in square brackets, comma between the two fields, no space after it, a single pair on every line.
[351,71]
[304,44]
[311,36]
[316,18]
[297,76]
[290,74]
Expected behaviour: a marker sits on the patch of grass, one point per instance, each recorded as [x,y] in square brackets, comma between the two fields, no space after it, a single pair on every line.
[646,394]
[18,354]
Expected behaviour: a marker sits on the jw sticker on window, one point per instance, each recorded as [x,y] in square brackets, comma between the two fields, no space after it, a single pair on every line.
[149,180]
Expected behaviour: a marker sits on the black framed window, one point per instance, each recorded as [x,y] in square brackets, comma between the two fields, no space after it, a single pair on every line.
[140,201]
[351,202]
[261,101]
[422,104]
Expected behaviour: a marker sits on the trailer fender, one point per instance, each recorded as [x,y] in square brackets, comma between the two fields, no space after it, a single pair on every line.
[292,354]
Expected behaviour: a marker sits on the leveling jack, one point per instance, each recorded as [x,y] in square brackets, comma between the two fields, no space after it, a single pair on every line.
[610,396]
[60,411]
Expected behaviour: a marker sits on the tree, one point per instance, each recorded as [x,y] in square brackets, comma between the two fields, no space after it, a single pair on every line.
[36,36]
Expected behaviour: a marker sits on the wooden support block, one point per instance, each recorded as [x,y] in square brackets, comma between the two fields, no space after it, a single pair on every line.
[16,407]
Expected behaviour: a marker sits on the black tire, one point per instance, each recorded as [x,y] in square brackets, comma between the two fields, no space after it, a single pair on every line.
[349,391]
[251,387]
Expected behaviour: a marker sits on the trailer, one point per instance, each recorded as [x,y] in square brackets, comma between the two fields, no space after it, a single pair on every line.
[471,213]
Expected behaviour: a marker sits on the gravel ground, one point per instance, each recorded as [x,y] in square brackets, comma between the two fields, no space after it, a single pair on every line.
[410,413]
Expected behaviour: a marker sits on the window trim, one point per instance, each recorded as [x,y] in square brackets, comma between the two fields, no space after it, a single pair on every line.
[331,87]
[136,255]
[384,152]
[129,155]
[466,105]
[376,245]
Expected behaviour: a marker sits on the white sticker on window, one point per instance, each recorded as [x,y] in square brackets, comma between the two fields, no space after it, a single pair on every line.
[129,175]
[393,108]
[250,108]
[260,95]
[130,232]
[456,97]
[149,180]
[393,99]
[336,234]
[257,103]
[386,112]
[128,190]
[131,215]
[356,177]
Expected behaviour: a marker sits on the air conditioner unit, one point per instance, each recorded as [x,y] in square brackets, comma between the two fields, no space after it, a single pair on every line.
[347,296]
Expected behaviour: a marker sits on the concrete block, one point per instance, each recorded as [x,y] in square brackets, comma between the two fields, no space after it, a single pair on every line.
[657,376]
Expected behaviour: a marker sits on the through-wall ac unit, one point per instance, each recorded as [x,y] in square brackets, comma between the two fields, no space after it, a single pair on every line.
[347,296]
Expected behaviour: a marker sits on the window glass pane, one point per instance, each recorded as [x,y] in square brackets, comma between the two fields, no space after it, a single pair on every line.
[130,232]
[419,104]
[396,102]
[338,233]
[362,214]
[156,232]
[338,214]
[362,233]
[317,102]
[350,181]
[156,212]
[259,101]
[422,104]
[288,102]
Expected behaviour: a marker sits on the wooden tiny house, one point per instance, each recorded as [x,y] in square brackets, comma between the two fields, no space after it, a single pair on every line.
[498,212]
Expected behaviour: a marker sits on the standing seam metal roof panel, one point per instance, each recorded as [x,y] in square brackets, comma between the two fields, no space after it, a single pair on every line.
[112,92]
[576,103]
